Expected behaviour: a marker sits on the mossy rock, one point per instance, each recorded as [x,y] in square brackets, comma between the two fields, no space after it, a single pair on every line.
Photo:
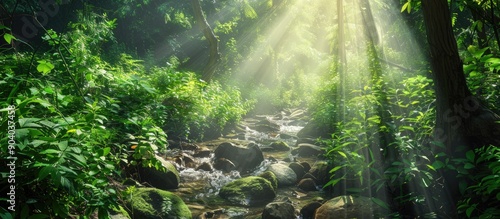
[119,213]
[248,191]
[271,177]
[280,146]
[151,203]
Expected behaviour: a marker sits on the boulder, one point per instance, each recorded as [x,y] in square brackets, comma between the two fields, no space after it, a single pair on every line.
[271,177]
[305,140]
[344,207]
[307,184]
[285,175]
[298,169]
[309,150]
[307,212]
[151,203]
[162,180]
[248,191]
[280,146]
[320,171]
[245,159]
[314,129]
[286,136]
[279,210]
[224,164]
[205,166]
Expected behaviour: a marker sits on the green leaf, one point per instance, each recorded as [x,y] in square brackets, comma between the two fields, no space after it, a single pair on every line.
[380,203]
[406,6]
[79,158]
[342,154]
[105,151]
[470,210]
[8,38]
[248,10]
[50,151]
[438,164]
[45,171]
[63,145]
[470,155]
[493,60]
[44,66]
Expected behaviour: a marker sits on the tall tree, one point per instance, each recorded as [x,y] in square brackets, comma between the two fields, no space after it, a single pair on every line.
[461,119]
[213,42]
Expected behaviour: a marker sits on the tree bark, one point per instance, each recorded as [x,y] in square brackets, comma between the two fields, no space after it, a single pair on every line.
[462,121]
[213,42]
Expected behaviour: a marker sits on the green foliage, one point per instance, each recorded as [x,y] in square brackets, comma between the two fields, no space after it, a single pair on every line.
[482,192]
[481,69]
[193,107]
[77,118]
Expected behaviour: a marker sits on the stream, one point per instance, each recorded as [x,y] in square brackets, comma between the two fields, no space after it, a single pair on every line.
[199,187]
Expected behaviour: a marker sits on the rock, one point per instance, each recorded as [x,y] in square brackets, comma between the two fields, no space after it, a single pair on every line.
[278,210]
[305,140]
[119,213]
[286,136]
[185,160]
[309,150]
[159,179]
[151,203]
[245,159]
[315,129]
[224,164]
[307,184]
[307,212]
[320,171]
[248,191]
[205,166]
[211,214]
[280,146]
[298,169]
[266,128]
[347,207]
[189,146]
[202,152]
[271,177]
[285,175]
[306,166]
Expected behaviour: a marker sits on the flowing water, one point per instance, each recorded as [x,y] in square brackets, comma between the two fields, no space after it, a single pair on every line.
[199,188]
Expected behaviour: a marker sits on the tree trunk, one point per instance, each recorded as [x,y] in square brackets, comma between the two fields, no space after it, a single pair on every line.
[213,42]
[462,122]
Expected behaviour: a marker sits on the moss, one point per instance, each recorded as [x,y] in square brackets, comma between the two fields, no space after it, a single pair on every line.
[248,191]
[271,177]
[151,203]
[280,146]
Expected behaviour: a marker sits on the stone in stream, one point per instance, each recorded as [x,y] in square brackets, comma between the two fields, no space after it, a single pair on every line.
[307,212]
[159,179]
[154,203]
[298,169]
[279,210]
[307,184]
[224,164]
[314,129]
[248,191]
[308,150]
[280,146]
[205,166]
[271,177]
[245,159]
[344,207]
[285,175]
